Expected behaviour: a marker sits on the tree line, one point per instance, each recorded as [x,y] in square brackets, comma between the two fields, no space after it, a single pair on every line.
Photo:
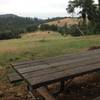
[11,26]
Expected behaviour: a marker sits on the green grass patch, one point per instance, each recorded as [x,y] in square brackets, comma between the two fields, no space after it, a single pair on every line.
[41,46]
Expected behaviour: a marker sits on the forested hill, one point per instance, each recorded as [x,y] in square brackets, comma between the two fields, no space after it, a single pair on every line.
[9,22]
[8,15]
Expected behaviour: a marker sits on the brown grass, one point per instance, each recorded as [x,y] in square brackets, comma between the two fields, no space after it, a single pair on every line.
[8,49]
[62,22]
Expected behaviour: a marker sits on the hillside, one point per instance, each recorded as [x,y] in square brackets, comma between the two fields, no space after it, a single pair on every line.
[62,22]
[10,22]
[8,15]
[11,26]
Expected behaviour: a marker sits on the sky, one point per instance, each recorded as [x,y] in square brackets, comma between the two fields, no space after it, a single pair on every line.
[35,8]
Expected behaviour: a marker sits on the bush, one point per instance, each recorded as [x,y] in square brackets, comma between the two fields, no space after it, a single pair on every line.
[61,29]
[91,29]
[46,27]
[32,28]
[74,31]
[9,35]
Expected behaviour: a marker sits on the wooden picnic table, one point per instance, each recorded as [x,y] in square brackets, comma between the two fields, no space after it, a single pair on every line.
[40,73]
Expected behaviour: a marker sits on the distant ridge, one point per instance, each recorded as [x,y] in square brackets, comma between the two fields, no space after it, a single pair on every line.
[11,22]
[8,15]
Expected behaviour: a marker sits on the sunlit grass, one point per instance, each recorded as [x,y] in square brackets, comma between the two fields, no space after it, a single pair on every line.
[43,44]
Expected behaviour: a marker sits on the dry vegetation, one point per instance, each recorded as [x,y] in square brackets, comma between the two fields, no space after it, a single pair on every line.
[67,21]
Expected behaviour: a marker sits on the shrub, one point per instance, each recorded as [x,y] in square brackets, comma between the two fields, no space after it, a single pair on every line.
[9,35]
[73,30]
[46,27]
[32,28]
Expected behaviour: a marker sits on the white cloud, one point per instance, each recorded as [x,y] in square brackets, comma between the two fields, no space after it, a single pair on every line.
[34,7]
[38,8]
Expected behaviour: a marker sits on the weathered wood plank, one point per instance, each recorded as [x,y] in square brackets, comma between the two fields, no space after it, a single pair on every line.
[54,59]
[58,69]
[14,77]
[55,77]
[21,64]
[46,71]
[63,63]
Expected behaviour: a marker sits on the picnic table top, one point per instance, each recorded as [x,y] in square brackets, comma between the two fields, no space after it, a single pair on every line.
[42,72]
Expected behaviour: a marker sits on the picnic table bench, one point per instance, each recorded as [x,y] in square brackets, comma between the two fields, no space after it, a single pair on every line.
[38,74]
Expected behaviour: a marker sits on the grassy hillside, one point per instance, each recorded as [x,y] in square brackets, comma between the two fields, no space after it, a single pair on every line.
[43,44]
[62,22]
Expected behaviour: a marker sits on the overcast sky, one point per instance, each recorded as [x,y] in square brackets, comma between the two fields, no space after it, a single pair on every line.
[34,8]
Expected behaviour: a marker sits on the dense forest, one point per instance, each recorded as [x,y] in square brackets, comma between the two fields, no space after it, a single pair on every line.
[12,25]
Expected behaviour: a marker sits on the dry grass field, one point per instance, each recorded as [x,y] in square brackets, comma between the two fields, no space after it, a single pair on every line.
[62,22]
[43,44]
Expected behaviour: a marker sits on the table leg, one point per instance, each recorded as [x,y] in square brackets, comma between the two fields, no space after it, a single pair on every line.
[62,85]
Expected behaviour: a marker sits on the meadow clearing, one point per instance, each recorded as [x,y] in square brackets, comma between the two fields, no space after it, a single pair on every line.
[43,44]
